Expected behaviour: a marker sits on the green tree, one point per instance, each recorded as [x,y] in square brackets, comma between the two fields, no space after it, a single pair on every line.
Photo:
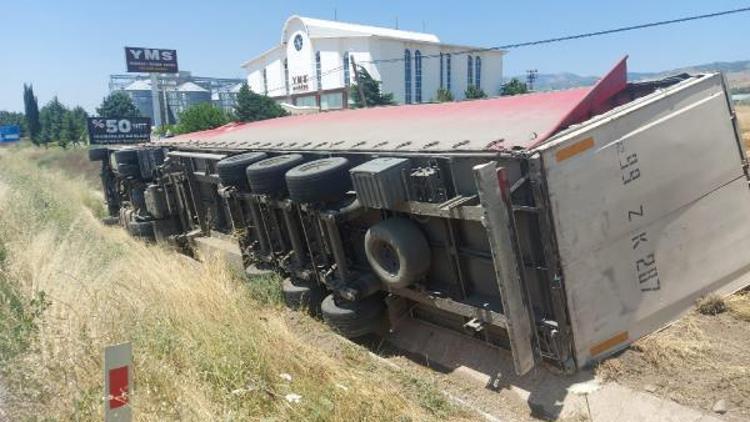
[473,92]
[201,117]
[251,106]
[13,118]
[444,96]
[73,129]
[31,110]
[117,104]
[371,88]
[514,87]
[51,118]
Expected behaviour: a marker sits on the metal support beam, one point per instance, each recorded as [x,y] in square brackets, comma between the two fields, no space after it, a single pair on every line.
[498,219]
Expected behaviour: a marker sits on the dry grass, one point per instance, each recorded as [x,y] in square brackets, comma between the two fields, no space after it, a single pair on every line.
[205,347]
[610,370]
[739,305]
[743,114]
[681,345]
[712,304]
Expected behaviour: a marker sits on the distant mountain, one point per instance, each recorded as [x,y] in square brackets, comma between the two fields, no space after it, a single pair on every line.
[738,74]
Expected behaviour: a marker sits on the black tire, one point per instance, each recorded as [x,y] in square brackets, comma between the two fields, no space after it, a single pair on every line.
[231,170]
[267,176]
[156,202]
[324,180]
[98,154]
[129,170]
[126,156]
[144,229]
[165,228]
[300,294]
[353,319]
[110,221]
[397,251]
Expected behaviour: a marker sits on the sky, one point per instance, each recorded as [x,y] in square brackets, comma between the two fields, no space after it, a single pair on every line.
[68,48]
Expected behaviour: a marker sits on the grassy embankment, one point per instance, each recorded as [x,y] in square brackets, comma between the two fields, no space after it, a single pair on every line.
[208,345]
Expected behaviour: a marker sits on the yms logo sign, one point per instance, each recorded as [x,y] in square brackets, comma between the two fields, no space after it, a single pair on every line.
[151,60]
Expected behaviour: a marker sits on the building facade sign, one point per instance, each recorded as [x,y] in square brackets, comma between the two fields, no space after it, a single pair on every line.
[300,83]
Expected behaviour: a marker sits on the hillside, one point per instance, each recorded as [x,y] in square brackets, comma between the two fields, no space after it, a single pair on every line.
[738,74]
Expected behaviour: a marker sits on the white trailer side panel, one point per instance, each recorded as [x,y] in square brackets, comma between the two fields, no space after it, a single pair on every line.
[651,208]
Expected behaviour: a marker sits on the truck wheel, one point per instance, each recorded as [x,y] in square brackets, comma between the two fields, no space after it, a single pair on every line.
[110,221]
[156,201]
[324,180]
[300,294]
[126,156]
[231,170]
[164,228]
[353,319]
[142,229]
[397,251]
[98,154]
[129,170]
[267,176]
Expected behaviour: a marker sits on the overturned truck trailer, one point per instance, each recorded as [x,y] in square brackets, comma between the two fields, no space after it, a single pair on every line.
[561,226]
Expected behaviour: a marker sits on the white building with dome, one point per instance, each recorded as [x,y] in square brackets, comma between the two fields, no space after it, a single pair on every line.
[312,64]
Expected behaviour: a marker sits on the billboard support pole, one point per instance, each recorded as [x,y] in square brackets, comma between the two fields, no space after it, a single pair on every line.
[156,100]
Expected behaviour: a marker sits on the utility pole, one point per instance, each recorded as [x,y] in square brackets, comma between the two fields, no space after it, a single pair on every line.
[530,78]
[155,99]
[360,88]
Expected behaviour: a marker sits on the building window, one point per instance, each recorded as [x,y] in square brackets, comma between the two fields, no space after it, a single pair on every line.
[407,76]
[448,72]
[347,77]
[318,75]
[418,76]
[306,101]
[265,82]
[286,75]
[478,72]
[469,71]
[441,71]
[331,101]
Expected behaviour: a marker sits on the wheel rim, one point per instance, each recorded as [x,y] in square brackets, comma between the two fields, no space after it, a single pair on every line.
[387,258]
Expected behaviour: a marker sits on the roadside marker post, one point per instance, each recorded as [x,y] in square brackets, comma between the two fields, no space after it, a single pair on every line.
[118,382]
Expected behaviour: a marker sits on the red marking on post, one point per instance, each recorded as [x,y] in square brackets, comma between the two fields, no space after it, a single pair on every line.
[502,180]
[118,387]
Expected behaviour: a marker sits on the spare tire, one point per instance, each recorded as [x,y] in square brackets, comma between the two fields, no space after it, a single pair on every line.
[231,170]
[397,251]
[353,319]
[324,180]
[144,229]
[126,156]
[299,294]
[267,176]
[98,154]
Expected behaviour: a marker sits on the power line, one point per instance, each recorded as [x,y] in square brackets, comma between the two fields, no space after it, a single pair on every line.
[578,36]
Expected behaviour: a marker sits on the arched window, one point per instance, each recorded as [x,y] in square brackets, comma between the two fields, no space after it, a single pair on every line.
[286,75]
[318,76]
[478,72]
[347,77]
[442,69]
[265,82]
[407,76]
[469,71]
[448,72]
[418,76]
